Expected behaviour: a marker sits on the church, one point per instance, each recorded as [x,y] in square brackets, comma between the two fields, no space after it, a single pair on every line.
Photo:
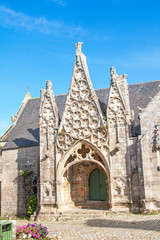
[89,149]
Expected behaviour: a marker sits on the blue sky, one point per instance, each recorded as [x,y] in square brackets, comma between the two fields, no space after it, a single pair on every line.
[37,43]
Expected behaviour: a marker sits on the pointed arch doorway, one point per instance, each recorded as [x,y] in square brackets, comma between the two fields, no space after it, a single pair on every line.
[75,173]
[97,186]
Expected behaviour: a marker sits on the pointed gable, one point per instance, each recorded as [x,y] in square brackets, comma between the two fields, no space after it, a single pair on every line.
[48,110]
[118,109]
[82,117]
[16,117]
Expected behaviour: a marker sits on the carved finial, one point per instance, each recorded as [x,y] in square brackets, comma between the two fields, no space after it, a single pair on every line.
[13,119]
[48,85]
[78,46]
[113,74]
[112,70]
[124,76]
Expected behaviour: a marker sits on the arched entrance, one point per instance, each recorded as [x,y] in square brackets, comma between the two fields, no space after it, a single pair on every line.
[76,171]
[97,186]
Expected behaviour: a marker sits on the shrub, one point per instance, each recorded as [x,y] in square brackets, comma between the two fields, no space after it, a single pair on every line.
[32,204]
[35,230]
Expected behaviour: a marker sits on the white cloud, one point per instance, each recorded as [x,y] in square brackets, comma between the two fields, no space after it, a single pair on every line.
[11,18]
[58,2]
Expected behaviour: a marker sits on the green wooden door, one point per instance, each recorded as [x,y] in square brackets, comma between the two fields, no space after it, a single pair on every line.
[97,186]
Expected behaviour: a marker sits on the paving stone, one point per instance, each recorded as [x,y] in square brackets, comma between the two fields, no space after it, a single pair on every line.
[111,227]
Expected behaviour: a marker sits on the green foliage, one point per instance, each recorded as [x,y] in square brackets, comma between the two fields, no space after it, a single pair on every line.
[3,218]
[25,173]
[104,118]
[146,213]
[153,213]
[32,204]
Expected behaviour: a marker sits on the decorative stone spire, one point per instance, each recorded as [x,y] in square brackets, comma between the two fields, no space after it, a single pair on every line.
[48,110]
[119,82]
[48,124]
[118,109]
[82,118]
[78,46]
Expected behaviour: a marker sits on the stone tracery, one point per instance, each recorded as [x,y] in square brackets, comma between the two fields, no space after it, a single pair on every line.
[83,153]
[118,107]
[82,119]
[48,120]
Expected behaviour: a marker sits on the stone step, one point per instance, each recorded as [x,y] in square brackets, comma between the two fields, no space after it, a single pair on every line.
[68,215]
[99,205]
[79,216]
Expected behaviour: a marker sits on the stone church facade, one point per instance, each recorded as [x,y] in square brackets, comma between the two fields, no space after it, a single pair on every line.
[90,149]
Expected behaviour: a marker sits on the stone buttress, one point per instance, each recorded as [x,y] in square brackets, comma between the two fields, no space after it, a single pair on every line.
[48,124]
[119,127]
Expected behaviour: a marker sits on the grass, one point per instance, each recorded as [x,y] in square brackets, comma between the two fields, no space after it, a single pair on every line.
[146,213]
[153,213]
[1,219]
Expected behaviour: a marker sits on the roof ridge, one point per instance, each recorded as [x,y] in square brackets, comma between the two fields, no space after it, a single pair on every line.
[61,94]
[143,82]
[101,89]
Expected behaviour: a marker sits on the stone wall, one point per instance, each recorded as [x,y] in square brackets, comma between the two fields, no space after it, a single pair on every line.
[137,187]
[1,145]
[13,199]
[150,156]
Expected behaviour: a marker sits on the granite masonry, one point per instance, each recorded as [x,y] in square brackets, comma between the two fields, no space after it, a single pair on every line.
[90,149]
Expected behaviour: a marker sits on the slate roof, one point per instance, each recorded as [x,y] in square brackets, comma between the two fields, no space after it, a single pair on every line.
[26,131]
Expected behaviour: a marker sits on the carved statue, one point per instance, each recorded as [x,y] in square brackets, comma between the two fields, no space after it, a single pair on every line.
[48,189]
[157,137]
[119,186]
